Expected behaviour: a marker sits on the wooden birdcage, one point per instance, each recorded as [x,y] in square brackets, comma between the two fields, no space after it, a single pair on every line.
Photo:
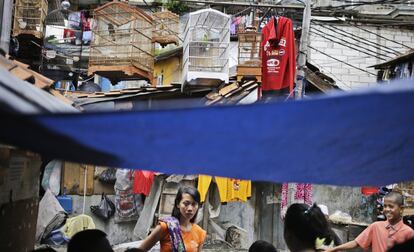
[206,48]
[121,46]
[249,57]
[166,28]
[29,17]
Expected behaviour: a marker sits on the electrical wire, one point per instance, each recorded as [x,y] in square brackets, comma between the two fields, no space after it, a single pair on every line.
[321,34]
[359,4]
[350,23]
[336,77]
[361,39]
[346,63]
[353,60]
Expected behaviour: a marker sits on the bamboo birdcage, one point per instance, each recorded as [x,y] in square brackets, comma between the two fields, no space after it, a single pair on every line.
[206,48]
[166,28]
[29,17]
[249,57]
[121,46]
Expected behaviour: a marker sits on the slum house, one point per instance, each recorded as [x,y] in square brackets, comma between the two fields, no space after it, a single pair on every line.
[128,99]
[264,223]
[224,92]
[400,67]
[270,200]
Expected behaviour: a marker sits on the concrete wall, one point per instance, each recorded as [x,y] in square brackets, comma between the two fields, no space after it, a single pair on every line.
[346,76]
[240,214]
[346,199]
[117,233]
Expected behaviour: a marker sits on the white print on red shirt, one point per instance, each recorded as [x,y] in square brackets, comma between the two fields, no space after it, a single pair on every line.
[282,42]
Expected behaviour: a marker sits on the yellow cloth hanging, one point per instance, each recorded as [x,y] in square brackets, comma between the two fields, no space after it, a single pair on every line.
[229,189]
[203,185]
[238,190]
[222,187]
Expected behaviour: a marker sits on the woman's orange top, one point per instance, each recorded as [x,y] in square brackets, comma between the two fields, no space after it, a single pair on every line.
[193,239]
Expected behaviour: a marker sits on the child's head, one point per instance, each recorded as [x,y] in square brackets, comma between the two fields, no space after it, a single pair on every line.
[393,207]
[90,240]
[187,203]
[303,225]
[262,246]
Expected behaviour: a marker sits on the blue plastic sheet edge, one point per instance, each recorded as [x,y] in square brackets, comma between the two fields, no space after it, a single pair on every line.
[361,138]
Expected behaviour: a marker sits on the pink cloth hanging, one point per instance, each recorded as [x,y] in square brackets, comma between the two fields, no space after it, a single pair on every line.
[302,194]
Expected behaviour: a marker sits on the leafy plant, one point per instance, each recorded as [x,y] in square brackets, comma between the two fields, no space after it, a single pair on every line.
[177,7]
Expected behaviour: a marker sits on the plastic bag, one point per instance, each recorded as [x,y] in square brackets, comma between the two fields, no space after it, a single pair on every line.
[105,209]
[127,208]
[108,176]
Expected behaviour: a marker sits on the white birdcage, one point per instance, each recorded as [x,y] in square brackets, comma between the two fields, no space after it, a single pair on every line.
[122,45]
[206,48]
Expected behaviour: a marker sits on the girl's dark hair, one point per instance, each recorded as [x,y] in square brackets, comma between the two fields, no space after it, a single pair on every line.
[193,193]
[303,224]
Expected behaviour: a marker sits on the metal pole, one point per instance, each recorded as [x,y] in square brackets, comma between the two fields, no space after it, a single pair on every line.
[303,50]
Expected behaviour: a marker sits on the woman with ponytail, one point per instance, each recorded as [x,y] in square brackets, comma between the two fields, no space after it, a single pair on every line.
[306,229]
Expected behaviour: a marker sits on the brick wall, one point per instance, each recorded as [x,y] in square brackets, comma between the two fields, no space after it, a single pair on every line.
[363,53]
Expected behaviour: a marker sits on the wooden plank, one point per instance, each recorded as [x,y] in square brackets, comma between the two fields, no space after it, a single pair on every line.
[58,95]
[245,70]
[99,188]
[233,92]
[211,102]
[90,171]
[71,174]
[212,95]
[18,225]
[21,73]
[167,199]
[227,89]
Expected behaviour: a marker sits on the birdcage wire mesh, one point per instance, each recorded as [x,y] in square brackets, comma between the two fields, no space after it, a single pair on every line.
[122,35]
[166,28]
[249,49]
[29,17]
[206,45]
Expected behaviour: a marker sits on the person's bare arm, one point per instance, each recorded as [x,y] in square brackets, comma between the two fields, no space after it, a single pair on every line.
[200,248]
[345,246]
[152,239]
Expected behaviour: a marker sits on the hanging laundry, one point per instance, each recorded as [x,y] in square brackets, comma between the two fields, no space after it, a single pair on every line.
[229,189]
[284,199]
[142,182]
[74,19]
[203,185]
[302,193]
[278,55]
[222,187]
[238,190]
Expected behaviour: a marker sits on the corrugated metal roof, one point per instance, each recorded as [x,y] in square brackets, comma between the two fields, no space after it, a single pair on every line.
[400,59]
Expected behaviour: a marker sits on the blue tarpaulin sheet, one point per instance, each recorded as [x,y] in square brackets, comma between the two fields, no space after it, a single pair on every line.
[364,138]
